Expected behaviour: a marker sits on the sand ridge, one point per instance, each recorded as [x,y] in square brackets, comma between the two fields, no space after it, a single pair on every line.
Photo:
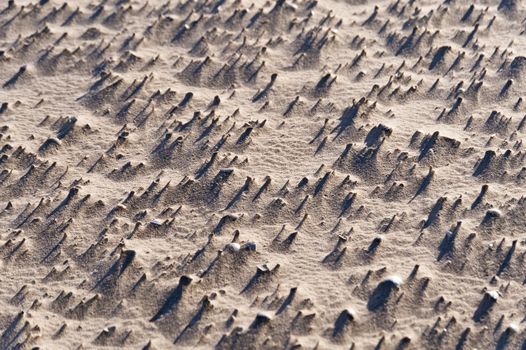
[284,174]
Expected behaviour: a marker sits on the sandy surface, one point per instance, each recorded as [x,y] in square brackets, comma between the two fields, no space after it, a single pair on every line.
[242,174]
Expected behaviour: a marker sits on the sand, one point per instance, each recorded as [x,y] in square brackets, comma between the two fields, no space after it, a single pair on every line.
[245,174]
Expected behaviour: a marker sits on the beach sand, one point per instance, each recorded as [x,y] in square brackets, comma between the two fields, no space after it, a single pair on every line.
[245,174]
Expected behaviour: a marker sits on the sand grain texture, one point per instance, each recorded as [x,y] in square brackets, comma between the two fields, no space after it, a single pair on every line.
[246,174]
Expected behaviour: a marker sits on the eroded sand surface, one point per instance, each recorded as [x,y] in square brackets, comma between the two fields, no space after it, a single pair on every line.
[262,174]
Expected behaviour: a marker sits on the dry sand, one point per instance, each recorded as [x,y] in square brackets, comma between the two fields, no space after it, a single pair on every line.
[245,174]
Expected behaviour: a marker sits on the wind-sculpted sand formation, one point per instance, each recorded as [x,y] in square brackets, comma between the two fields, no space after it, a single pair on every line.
[246,174]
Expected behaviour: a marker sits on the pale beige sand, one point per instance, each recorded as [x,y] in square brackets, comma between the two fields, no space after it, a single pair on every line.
[262,175]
